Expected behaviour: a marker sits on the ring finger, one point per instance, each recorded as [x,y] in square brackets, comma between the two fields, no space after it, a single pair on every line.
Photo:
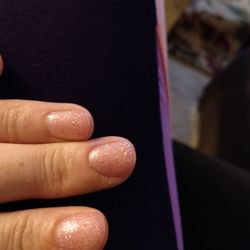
[63,228]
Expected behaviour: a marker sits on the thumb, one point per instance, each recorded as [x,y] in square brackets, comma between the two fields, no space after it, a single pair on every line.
[53,228]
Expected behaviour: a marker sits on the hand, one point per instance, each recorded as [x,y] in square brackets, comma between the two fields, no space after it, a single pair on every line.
[45,153]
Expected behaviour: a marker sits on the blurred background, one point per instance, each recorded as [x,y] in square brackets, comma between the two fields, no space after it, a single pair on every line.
[209,65]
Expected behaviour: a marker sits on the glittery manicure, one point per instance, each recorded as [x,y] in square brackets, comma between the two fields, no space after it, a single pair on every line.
[82,231]
[115,159]
[71,125]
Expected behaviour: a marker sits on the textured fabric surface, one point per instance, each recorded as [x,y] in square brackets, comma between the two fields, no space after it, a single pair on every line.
[100,54]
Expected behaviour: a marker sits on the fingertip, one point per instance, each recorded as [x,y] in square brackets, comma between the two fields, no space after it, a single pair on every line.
[91,125]
[115,157]
[86,230]
[71,125]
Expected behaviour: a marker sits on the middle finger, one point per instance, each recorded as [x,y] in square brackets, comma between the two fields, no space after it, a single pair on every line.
[63,169]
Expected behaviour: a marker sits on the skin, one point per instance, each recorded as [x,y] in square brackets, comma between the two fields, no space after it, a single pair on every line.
[36,163]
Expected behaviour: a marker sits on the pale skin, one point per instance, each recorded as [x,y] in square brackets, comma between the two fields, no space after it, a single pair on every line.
[45,157]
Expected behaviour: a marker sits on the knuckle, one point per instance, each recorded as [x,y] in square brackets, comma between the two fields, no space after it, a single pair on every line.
[55,170]
[13,121]
[23,232]
[6,242]
[18,234]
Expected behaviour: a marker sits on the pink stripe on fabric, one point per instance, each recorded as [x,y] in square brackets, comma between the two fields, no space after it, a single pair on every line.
[165,120]
[161,32]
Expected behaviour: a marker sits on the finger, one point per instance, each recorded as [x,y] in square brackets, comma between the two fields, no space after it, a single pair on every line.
[65,228]
[1,65]
[42,122]
[63,169]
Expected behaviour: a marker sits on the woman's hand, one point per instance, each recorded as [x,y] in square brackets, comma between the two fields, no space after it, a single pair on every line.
[45,153]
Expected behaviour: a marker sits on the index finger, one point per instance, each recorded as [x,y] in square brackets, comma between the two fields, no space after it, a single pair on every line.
[24,121]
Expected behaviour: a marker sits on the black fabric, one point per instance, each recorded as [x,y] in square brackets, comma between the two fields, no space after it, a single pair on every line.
[234,124]
[102,55]
[215,202]
[229,115]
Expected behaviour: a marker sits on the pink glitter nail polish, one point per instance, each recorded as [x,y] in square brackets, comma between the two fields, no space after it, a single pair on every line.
[70,125]
[115,159]
[82,232]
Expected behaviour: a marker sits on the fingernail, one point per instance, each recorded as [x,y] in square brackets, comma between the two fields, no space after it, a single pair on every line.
[71,125]
[82,231]
[115,159]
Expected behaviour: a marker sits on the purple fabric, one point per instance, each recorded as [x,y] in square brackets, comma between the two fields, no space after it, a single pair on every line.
[168,153]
